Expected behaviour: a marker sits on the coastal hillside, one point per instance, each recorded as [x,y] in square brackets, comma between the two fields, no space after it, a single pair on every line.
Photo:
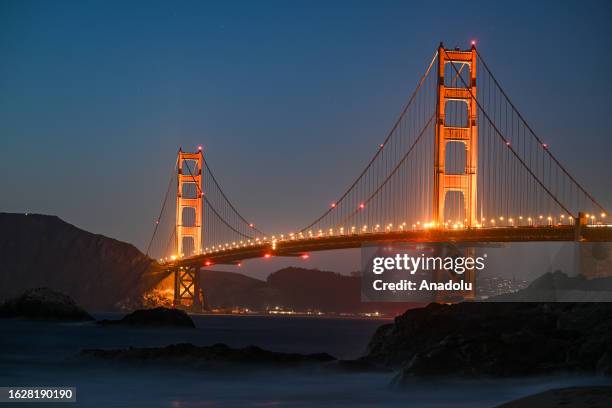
[44,251]
[104,274]
[294,288]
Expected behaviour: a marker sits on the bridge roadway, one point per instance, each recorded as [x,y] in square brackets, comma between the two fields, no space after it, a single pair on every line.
[299,246]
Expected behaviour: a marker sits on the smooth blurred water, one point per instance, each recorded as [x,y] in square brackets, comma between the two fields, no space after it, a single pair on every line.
[40,353]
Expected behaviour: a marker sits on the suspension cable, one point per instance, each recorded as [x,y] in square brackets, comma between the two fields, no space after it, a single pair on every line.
[542,144]
[378,152]
[162,208]
[508,145]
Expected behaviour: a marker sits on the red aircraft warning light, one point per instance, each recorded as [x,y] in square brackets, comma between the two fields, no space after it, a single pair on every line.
[252,225]
[333,205]
[362,206]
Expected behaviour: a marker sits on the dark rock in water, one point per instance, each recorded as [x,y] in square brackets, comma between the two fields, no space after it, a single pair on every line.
[215,356]
[575,397]
[158,317]
[496,339]
[44,304]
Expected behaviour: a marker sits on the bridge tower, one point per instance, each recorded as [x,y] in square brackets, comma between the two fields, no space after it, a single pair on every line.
[189,197]
[465,182]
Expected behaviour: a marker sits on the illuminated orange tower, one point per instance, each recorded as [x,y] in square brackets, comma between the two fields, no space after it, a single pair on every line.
[465,182]
[189,197]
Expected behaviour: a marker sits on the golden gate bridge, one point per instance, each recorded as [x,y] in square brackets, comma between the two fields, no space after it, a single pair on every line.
[460,164]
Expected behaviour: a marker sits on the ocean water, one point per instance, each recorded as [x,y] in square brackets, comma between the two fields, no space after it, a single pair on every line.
[44,354]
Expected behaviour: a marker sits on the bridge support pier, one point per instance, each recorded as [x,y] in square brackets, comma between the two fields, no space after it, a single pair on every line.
[187,288]
[579,223]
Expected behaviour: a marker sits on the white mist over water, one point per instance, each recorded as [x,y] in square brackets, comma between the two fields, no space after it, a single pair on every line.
[40,353]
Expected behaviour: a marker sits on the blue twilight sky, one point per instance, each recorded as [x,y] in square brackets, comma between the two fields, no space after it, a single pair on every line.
[290,99]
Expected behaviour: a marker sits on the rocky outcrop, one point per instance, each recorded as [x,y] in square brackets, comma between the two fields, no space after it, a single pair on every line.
[43,304]
[158,317]
[96,271]
[208,357]
[496,339]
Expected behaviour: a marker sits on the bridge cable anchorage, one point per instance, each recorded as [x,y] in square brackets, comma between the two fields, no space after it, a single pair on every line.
[157,221]
[382,146]
[506,142]
[547,149]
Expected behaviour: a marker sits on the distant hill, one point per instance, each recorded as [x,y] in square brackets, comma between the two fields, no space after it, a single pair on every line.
[295,288]
[96,271]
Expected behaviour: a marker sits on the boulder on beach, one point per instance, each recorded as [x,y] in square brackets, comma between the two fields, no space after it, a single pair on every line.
[43,304]
[215,356]
[157,317]
[496,340]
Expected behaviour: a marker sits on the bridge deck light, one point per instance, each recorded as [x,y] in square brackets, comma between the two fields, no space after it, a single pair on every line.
[304,256]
